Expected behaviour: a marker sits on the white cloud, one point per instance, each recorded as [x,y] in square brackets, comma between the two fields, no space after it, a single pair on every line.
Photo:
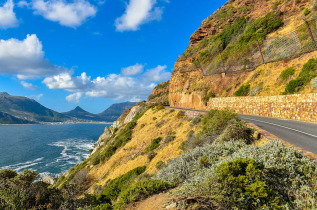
[157,74]
[37,97]
[28,85]
[114,86]
[74,98]
[132,70]
[138,12]
[67,82]
[25,58]
[65,13]
[23,4]
[7,15]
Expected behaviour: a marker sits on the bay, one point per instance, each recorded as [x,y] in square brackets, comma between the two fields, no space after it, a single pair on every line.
[47,149]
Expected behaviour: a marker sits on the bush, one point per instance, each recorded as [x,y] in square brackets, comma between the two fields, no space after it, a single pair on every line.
[236,130]
[151,155]
[154,144]
[243,90]
[113,188]
[241,176]
[141,190]
[160,164]
[215,121]
[307,74]
[287,73]
[196,120]
[306,11]
[208,96]
[169,139]
[180,114]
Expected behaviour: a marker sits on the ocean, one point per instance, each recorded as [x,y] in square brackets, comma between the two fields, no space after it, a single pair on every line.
[47,149]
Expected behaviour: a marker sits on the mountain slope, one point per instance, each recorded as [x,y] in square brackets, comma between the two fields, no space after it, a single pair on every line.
[28,109]
[246,44]
[79,113]
[8,119]
[115,110]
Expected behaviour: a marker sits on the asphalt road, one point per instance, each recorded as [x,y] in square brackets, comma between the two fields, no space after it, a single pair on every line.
[301,134]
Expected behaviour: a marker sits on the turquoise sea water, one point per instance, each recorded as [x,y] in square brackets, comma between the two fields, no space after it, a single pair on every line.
[48,149]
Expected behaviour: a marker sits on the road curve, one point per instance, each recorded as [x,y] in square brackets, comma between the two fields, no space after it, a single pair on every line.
[301,134]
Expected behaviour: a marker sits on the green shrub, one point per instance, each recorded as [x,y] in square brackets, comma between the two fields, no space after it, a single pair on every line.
[243,90]
[237,130]
[287,73]
[208,96]
[180,114]
[151,155]
[113,188]
[141,190]
[260,28]
[307,74]
[240,184]
[215,121]
[306,11]
[154,144]
[234,175]
[160,164]
[295,86]
[169,138]
[196,120]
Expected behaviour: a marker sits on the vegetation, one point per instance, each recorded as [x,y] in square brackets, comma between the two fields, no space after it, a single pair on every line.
[309,71]
[141,190]
[154,144]
[287,73]
[114,187]
[243,90]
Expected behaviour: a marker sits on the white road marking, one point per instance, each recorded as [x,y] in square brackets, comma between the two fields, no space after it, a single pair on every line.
[308,134]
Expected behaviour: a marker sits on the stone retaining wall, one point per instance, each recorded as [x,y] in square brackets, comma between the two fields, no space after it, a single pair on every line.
[302,107]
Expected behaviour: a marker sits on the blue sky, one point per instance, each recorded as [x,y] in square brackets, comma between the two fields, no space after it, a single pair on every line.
[93,53]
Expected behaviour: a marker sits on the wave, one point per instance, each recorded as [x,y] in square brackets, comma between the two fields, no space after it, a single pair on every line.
[74,151]
[26,165]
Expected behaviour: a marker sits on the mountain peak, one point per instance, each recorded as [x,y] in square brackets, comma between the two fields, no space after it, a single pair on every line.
[4,94]
[78,108]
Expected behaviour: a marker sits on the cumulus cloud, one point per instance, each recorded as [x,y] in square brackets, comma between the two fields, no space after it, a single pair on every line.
[138,12]
[74,98]
[7,15]
[36,97]
[65,13]
[114,86]
[25,58]
[132,70]
[28,85]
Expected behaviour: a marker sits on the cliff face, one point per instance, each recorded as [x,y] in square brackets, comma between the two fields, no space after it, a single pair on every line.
[223,54]
[160,93]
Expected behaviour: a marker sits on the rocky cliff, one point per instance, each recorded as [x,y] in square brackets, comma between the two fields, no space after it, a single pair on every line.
[245,43]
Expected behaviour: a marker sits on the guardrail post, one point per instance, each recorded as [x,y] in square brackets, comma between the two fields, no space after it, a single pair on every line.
[311,34]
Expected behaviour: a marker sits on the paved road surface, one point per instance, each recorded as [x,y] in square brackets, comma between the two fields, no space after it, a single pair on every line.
[301,134]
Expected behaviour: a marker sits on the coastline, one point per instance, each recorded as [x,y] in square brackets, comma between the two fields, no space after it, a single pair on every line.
[62,123]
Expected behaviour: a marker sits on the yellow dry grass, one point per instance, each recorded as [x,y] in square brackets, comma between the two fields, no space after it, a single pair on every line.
[269,75]
[132,154]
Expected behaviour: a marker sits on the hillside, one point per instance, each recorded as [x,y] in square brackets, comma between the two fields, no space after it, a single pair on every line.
[8,119]
[248,48]
[112,113]
[28,109]
[156,157]
[81,114]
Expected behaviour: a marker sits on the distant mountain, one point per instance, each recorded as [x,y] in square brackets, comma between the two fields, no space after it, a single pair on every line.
[8,119]
[81,114]
[28,109]
[115,110]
